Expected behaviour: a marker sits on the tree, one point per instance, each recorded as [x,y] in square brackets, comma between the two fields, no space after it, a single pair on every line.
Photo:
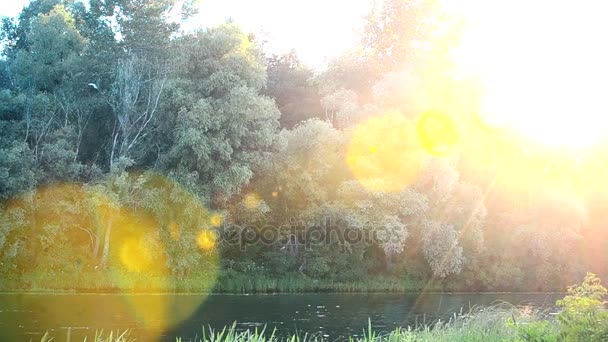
[393,32]
[223,128]
[135,100]
[54,45]
[15,32]
[48,88]
[290,84]
[143,25]
[441,249]
[17,171]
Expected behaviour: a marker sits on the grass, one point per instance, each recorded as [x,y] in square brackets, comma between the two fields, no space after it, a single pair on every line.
[104,282]
[99,336]
[500,322]
[100,282]
[297,283]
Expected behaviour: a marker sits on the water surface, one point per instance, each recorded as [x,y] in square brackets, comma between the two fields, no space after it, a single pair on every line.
[25,317]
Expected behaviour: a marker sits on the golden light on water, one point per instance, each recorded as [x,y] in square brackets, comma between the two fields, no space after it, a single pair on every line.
[541,64]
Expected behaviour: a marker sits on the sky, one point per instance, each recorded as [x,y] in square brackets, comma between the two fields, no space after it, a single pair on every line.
[11,8]
[317,29]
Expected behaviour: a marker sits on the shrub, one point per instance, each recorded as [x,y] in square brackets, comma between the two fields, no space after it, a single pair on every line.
[583,317]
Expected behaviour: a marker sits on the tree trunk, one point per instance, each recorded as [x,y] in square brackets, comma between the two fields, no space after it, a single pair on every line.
[97,243]
[390,266]
[106,245]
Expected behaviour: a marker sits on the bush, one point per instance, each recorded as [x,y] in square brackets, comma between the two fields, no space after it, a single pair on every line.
[583,317]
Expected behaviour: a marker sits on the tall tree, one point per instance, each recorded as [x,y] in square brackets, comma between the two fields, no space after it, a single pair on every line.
[290,84]
[394,30]
[223,128]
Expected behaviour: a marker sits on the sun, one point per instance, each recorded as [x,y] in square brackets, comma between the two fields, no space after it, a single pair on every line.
[542,66]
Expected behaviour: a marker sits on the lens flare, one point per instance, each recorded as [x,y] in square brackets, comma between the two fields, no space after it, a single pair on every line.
[140,250]
[383,153]
[216,220]
[541,65]
[148,242]
[206,240]
[437,133]
[252,201]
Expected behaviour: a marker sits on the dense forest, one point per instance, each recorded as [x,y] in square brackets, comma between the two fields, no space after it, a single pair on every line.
[137,155]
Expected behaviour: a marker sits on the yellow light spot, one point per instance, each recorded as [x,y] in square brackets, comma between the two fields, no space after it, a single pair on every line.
[383,154]
[131,253]
[206,240]
[275,194]
[216,220]
[252,201]
[136,255]
[437,132]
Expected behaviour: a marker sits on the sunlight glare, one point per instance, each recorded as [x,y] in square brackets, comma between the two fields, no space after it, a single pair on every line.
[542,65]
[383,153]
[437,132]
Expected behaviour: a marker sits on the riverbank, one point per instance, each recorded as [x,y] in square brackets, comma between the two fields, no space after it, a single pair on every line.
[223,283]
[231,283]
[497,323]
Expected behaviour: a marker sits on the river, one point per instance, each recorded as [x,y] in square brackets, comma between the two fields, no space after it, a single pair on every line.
[162,317]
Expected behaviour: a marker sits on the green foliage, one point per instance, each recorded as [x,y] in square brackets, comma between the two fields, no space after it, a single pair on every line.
[224,129]
[541,331]
[17,171]
[114,104]
[100,336]
[54,47]
[289,83]
[583,316]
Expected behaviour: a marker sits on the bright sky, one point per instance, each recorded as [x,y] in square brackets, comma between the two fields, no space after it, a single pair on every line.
[316,29]
[11,8]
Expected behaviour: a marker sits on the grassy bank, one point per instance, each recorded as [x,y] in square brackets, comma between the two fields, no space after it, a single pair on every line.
[229,281]
[294,283]
[498,323]
[491,324]
[222,283]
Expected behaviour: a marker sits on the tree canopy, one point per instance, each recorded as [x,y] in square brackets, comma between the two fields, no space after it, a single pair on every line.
[125,138]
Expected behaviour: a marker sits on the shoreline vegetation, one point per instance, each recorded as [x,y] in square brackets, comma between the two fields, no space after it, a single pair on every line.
[239,284]
[581,317]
